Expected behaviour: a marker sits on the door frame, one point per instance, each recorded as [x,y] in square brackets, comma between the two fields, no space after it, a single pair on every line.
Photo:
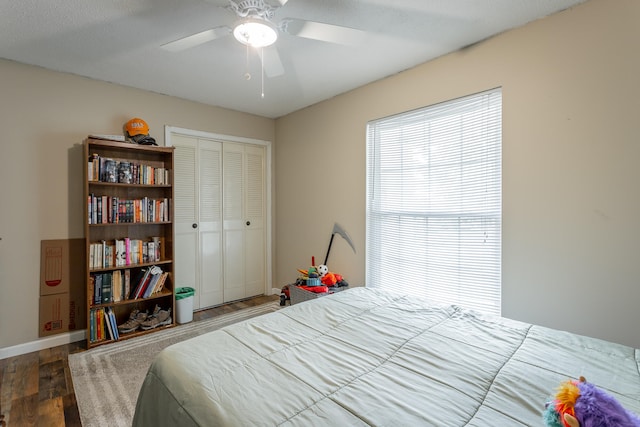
[171,130]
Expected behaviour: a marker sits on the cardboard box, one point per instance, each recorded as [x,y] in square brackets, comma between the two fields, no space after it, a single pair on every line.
[54,314]
[62,313]
[62,264]
[63,300]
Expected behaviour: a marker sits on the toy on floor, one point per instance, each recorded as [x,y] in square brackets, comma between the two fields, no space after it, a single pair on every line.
[330,279]
[285,294]
[316,279]
[582,404]
[327,278]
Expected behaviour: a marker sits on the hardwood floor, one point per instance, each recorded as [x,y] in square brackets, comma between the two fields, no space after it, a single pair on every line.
[36,388]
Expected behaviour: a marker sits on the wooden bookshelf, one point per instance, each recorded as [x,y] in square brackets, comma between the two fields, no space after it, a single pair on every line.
[129,229]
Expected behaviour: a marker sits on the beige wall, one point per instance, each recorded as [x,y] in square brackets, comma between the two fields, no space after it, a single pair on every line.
[571,150]
[44,117]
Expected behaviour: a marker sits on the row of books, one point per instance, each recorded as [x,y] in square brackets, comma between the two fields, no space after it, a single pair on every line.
[105,169]
[103,325]
[150,283]
[114,210]
[123,252]
[117,285]
[111,287]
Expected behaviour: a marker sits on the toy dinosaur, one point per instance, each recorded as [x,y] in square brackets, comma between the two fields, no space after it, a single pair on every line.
[582,404]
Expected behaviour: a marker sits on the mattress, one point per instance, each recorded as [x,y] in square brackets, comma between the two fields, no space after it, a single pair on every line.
[365,357]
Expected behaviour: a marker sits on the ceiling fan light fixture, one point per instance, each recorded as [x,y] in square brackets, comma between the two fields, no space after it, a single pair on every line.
[255,32]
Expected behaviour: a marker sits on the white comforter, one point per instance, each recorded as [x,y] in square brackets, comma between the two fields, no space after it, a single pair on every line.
[363,357]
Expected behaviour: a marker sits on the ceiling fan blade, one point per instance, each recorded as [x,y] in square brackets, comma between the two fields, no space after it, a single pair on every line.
[219,3]
[196,39]
[323,32]
[271,60]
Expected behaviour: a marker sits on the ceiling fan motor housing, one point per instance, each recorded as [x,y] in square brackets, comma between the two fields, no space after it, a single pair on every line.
[258,8]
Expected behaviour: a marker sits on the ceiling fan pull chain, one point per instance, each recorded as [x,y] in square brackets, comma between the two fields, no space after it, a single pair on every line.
[262,69]
[247,74]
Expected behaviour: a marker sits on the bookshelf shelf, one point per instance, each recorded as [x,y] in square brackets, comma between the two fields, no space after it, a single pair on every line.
[129,235]
[116,185]
[124,267]
[128,224]
[161,294]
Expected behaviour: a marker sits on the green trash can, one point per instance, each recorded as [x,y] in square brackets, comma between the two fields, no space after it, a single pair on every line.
[184,304]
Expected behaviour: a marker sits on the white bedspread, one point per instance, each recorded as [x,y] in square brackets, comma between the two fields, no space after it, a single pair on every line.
[363,357]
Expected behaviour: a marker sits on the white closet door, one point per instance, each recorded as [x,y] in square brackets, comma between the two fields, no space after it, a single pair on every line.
[234,222]
[185,215]
[211,276]
[198,215]
[254,201]
[244,221]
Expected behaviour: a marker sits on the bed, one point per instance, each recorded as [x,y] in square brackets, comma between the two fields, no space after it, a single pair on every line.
[364,357]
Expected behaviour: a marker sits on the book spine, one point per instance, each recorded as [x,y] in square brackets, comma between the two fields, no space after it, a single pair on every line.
[92,286]
[130,210]
[114,323]
[92,325]
[106,288]
[160,285]
[97,289]
[153,282]
[127,283]
[99,324]
[142,285]
[116,286]
[127,249]
[108,328]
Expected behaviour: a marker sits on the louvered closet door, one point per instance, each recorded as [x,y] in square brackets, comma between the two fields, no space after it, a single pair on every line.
[255,203]
[244,221]
[198,218]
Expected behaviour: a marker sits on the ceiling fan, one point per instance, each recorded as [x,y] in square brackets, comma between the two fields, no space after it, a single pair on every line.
[255,27]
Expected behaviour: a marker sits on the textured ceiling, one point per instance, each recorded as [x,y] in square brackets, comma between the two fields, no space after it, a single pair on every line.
[120,41]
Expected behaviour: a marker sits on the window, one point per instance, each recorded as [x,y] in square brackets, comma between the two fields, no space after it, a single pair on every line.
[434,202]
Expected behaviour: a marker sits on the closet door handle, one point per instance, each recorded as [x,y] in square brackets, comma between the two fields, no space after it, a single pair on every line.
[248,222]
[194,225]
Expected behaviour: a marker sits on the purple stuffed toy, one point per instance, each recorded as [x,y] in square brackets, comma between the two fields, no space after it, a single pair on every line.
[582,404]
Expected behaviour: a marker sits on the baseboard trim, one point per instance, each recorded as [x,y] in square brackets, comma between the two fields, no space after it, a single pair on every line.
[43,343]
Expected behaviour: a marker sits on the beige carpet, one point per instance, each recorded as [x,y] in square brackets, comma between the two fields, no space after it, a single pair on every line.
[107,379]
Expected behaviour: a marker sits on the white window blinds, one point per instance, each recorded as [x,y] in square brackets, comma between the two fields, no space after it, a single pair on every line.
[434,202]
